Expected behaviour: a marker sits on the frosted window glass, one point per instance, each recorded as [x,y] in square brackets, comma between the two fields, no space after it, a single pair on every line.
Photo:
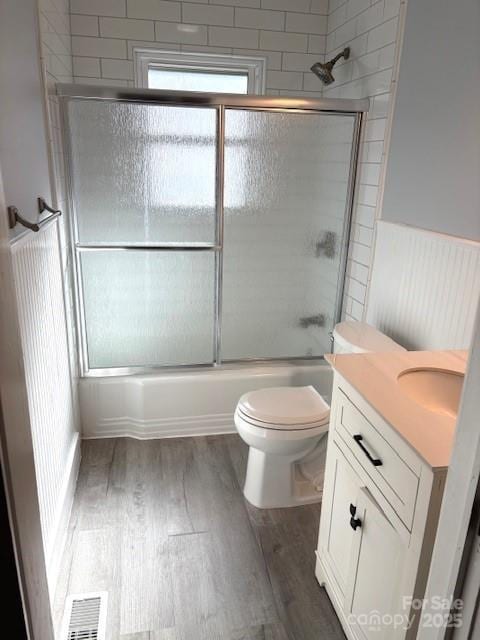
[143,173]
[286,181]
[179,80]
[146,308]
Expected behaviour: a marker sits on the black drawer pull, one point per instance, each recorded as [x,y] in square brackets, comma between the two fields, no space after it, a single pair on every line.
[375,461]
[353,509]
[355,523]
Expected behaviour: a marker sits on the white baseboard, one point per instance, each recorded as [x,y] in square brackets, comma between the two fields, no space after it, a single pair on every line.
[64,509]
[206,425]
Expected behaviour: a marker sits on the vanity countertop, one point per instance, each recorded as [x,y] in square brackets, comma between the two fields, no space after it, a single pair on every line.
[374,376]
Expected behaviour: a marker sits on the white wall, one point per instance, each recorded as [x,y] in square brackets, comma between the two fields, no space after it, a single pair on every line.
[56,60]
[371,30]
[50,351]
[290,34]
[39,289]
[433,168]
[424,284]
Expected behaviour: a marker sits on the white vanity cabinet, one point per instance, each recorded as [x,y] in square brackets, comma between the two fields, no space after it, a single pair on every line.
[378,522]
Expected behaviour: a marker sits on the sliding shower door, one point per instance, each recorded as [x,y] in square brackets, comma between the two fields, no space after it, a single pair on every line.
[143,182]
[207,229]
[286,191]
[148,308]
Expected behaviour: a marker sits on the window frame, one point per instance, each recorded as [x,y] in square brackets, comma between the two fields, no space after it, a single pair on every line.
[254,67]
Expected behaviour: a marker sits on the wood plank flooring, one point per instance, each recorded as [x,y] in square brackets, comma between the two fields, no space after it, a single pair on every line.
[162,525]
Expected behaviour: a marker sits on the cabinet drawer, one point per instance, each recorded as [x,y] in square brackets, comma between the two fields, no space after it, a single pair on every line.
[395,479]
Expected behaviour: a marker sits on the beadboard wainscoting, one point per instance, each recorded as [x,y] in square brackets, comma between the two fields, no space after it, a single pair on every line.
[425,287]
[197,402]
[40,299]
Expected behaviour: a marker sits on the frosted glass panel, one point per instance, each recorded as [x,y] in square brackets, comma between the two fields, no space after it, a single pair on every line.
[147,308]
[286,182]
[178,80]
[142,172]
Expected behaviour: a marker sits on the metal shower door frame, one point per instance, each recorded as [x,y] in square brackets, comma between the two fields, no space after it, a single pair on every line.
[221,103]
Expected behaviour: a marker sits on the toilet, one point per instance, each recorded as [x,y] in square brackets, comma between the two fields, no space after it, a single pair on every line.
[286,427]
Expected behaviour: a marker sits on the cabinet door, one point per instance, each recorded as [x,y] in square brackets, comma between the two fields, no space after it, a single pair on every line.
[376,569]
[336,535]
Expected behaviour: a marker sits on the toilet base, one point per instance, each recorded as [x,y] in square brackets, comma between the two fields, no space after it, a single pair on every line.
[274,481]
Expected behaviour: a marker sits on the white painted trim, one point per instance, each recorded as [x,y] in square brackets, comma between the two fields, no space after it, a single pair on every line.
[255,67]
[438,235]
[62,517]
[206,425]
[16,451]
[462,481]
[327,581]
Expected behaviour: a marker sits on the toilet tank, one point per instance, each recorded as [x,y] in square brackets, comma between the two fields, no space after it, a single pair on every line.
[360,337]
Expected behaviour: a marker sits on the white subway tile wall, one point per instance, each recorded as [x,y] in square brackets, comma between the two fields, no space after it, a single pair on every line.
[56,59]
[292,36]
[107,30]
[371,29]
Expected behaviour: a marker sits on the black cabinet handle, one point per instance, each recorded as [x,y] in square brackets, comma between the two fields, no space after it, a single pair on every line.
[375,461]
[354,522]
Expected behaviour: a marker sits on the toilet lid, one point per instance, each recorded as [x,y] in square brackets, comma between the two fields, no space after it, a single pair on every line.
[285,406]
[267,426]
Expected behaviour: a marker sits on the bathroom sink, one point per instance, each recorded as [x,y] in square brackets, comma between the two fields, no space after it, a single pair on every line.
[437,390]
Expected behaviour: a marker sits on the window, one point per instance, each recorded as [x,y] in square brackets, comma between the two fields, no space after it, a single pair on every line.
[182,71]
[210,81]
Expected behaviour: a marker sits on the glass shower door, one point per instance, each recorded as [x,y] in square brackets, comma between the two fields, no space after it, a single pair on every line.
[148,308]
[143,181]
[286,219]
[207,230]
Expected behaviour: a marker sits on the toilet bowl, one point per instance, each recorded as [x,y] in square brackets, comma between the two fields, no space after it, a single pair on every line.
[286,430]
[281,425]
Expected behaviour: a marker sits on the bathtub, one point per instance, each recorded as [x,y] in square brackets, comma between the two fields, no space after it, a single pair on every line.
[185,403]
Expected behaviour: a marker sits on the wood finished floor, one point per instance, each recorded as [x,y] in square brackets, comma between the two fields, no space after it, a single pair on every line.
[162,525]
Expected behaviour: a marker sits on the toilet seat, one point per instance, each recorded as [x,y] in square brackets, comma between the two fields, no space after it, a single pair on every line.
[279,427]
[269,432]
[284,408]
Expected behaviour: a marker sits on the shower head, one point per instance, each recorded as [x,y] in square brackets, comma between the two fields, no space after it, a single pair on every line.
[324,70]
